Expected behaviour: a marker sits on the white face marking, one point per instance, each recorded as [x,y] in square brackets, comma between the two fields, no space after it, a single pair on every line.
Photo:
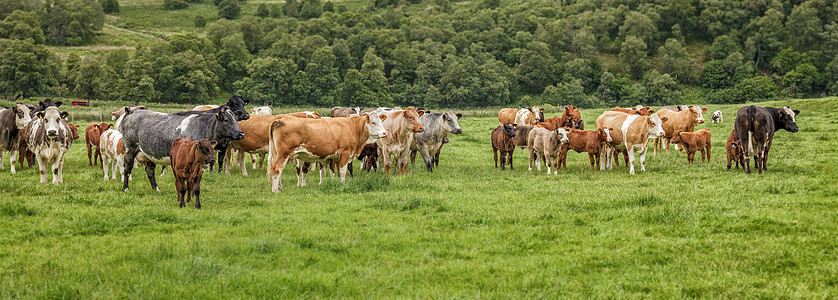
[184,124]
[790,113]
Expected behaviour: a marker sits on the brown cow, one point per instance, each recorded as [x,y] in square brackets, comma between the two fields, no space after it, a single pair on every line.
[91,139]
[734,151]
[684,120]
[694,142]
[644,111]
[502,141]
[590,141]
[188,160]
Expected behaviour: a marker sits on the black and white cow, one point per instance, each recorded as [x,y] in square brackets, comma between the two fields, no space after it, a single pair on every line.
[756,126]
[437,127]
[236,105]
[48,135]
[12,120]
[150,134]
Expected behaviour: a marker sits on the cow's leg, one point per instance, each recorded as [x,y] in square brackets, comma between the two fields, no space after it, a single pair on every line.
[426,156]
[12,158]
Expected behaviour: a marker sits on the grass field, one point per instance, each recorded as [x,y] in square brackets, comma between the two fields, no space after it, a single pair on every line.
[466,230]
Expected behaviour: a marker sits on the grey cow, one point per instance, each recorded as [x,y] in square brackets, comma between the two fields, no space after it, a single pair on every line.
[150,134]
[437,127]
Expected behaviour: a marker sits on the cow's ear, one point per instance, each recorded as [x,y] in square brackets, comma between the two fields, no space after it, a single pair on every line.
[64,114]
[796,112]
[459,115]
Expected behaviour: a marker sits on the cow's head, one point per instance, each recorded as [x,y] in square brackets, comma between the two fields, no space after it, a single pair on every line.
[577,124]
[451,122]
[47,103]
[236,105]
[561,133]
[75,130]
[52,118]
[204,153]
[696,112]
[605,134]
[509,129]
[375,126]
[655,129]
[227,127]
[21,113]
[787,117]
[411,116]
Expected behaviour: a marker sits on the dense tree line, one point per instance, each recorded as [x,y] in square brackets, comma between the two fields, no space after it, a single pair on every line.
[438,53]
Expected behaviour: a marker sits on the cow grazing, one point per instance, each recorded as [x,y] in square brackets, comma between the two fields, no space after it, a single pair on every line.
[342,112]
[189,157]
[502,141]
[12,120]
[261,110]
[755,127]
[121,111]
[545,145]
[734,151]
[320,140]
[717,117]
[437,127]
[632,133]
[643,111]
[91,140]
[693,142]
[49,137]
[152,133]
[522,116]
[684,120]
[395,147]
[590,141]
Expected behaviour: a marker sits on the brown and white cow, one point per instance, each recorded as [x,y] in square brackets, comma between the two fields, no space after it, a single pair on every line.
[693,142]
[121,111]
[189,157]
[12,120]
[734,151]
[320,140]
[502,141]
[113,153]
[49,137]
[631,132]
[546,145]
[92,133]
[590,141]
[395,147]
[522,116]
[684,120]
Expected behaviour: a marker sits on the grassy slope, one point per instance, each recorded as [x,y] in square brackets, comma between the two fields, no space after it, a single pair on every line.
[466,230]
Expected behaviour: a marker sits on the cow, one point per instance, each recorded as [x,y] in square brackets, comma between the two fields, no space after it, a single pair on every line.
[717,117]
[643,111]
[49,137]
[189,157]
[523,116]
[684,120]
[502,141]
[734,151]
[23,150]
[755,126]
[152,133]
[261,110]
[121,111]
[678,108]
[320,140]
[395,147]
[12,120]
[236,105]
[693,142]
[437,127]
[546,145]
[571,113]
[632,133]
[590,141]
[339,112]
[91,140]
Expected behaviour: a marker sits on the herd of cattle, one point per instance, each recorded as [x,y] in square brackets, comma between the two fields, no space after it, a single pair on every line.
[188,141]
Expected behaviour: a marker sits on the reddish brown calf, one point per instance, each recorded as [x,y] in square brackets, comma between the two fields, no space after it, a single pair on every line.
[590,141]
[188,160]
[694,142]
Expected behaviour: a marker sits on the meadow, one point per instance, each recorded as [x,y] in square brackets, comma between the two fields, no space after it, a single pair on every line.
[467,230]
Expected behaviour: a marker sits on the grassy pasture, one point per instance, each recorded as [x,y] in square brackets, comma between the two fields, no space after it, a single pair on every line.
[466,230]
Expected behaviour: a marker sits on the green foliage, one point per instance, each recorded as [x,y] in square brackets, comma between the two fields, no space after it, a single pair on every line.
[27,68]
[21,25]
[110,6]
[229,9]
[174,4]
[70,22]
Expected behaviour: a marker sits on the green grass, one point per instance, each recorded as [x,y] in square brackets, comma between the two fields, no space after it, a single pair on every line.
[466,230]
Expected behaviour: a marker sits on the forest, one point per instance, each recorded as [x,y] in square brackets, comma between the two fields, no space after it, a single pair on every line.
[440,53]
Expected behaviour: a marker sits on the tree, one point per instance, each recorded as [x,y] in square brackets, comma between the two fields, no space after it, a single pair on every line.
[71,21]
[21,25]
[229,9]
[28,68]
[110,6]
[633,54]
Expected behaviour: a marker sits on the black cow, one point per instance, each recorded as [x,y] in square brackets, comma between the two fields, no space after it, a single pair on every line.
[236,105]
[756,126]
[156,132]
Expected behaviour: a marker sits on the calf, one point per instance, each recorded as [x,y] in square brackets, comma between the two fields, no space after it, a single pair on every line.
[12,120]
[734,151]
[590,141]
[546,145]
[756,126]
[189,157]
[49,137]
[694,142]
[92,133]
[502,141]
[717,117]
